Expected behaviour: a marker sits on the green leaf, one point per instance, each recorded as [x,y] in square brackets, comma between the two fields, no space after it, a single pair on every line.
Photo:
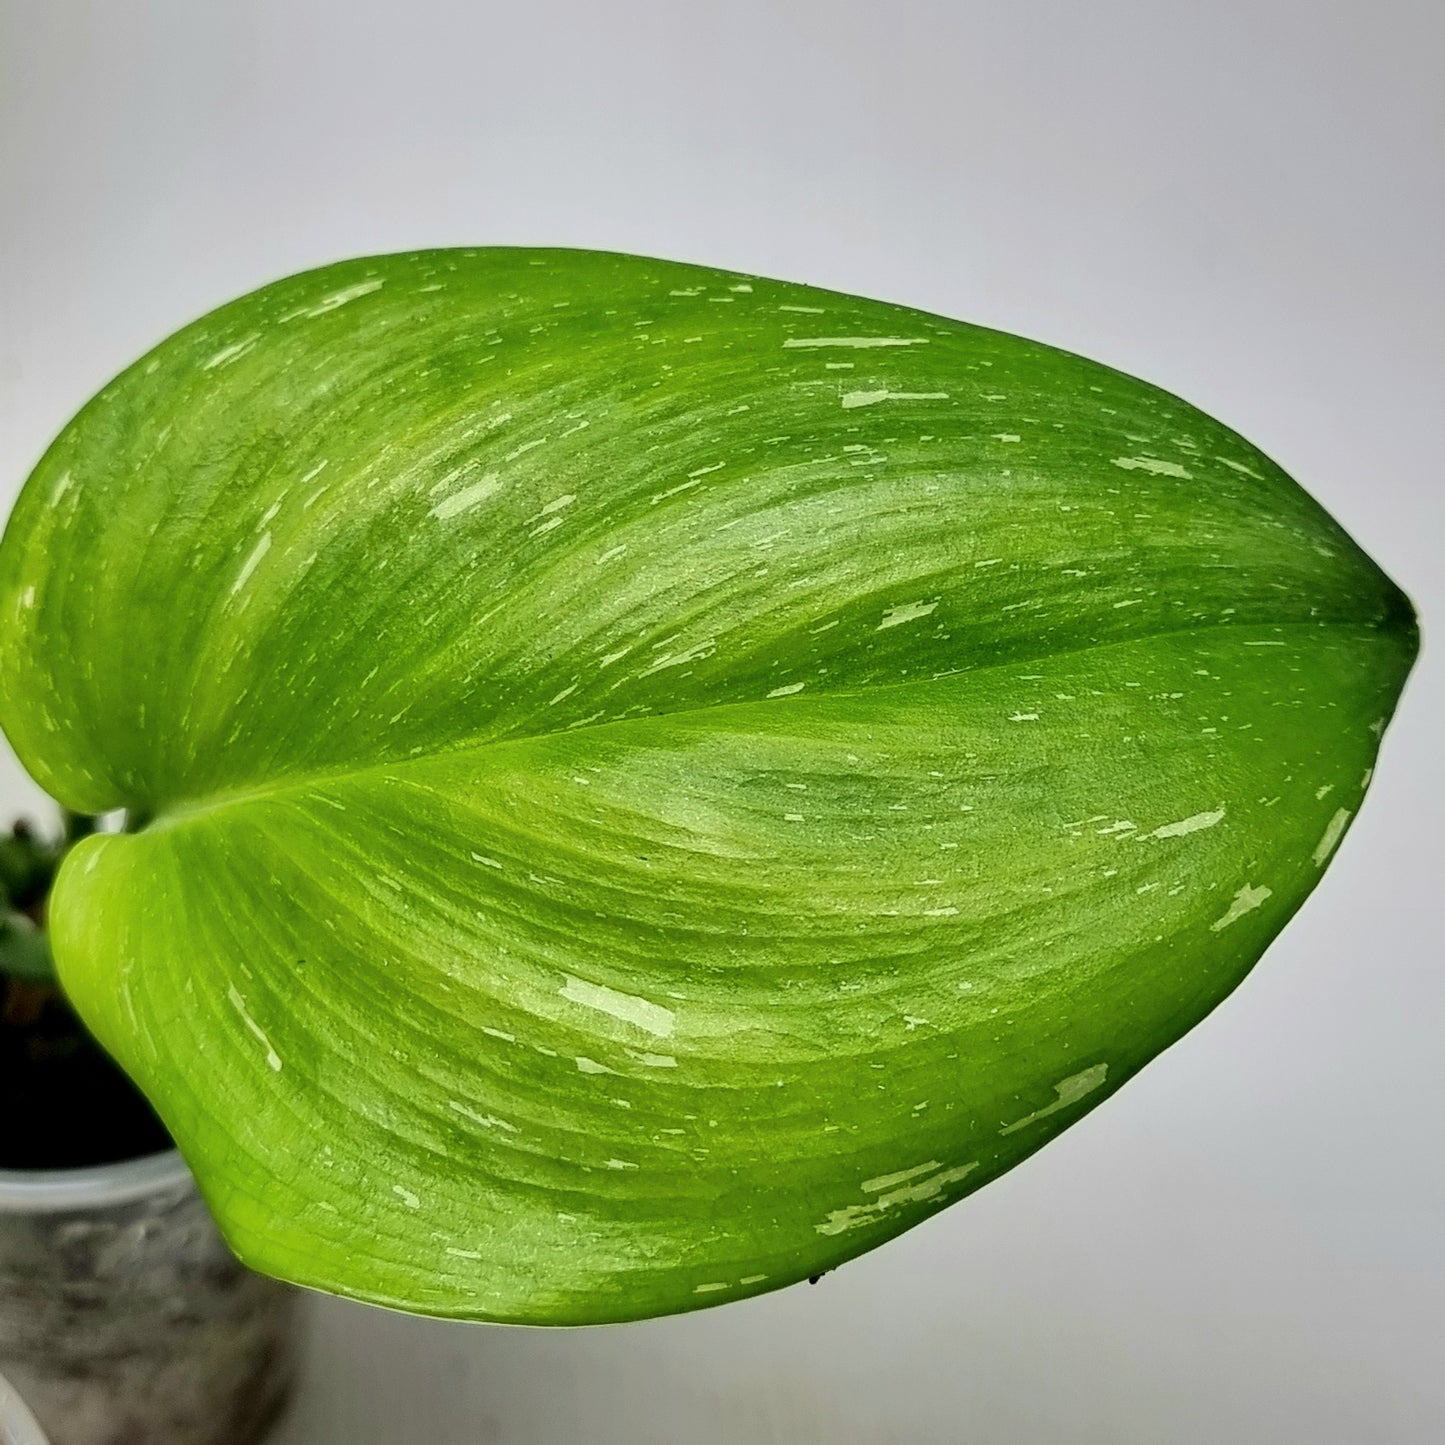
[24,949]
[27,866]
[659,780]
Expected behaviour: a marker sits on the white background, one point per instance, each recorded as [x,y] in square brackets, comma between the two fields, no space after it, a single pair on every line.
[1243,200]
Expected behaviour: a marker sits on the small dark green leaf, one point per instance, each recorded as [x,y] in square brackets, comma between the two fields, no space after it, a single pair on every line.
[24,950]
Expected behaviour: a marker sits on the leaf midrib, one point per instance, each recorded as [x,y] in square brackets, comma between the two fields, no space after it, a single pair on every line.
[174,814]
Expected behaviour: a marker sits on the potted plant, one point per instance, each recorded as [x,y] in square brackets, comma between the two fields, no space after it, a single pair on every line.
[643,782]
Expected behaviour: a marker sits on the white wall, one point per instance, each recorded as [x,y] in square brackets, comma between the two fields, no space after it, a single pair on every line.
[1242,200]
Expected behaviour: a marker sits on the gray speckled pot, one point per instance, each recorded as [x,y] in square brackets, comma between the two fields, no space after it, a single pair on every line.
[125,1320]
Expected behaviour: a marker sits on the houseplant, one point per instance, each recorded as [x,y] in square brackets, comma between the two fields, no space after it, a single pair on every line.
[643,782]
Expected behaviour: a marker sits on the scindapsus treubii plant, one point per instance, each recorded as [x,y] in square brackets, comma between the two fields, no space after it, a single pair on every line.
[645,782]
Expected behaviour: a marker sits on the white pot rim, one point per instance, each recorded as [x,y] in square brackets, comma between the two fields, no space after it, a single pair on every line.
[17,1425]
[100,1186]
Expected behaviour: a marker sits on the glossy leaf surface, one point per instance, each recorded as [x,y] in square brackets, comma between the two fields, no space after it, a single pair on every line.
[658,780]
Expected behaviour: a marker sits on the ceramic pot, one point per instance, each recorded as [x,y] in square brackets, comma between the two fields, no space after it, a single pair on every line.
[125,1319]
